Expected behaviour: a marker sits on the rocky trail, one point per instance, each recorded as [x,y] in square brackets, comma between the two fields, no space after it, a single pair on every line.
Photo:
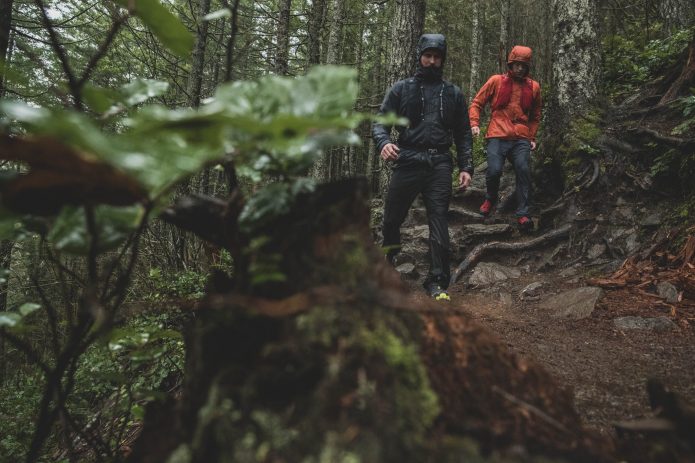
[603,344]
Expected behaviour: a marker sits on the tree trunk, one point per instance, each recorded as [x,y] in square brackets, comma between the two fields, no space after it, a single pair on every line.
[476,45]
[229,52]
[676,14]
[283,38]
[336,32]
[504,35]
[406,28]
[195,79]
[575,68]
[317,16]
[685,80]
[5,27]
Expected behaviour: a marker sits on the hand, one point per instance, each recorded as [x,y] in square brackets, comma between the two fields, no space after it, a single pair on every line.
[475,131]
[464,180]
[389,152]
[533,145]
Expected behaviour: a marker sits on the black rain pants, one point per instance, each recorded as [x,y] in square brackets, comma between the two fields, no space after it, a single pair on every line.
[430,175]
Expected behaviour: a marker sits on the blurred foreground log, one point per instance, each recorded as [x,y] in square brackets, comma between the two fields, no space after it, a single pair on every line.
[335,359]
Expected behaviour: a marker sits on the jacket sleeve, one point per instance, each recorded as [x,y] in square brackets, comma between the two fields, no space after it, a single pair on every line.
[535,116]
[462,135]
[481,99]
[391,104]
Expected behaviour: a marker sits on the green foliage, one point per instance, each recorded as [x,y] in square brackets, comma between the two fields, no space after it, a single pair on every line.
[113,225]
[687,104]
[167,285]
[18,399]
[275,126]
[580,140]
[162,23]
[629,65]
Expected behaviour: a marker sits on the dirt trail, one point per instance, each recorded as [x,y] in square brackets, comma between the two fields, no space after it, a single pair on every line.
[606,367]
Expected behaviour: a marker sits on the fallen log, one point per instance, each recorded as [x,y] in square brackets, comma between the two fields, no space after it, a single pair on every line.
[475,255]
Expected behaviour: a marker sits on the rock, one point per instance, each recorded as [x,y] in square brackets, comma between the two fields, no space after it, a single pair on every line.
[531,291]
[639,323]
[569,272]
[421,232]
[407,270]
[486,274]
[651,220]
[596,251]
[574,304]
[667,291]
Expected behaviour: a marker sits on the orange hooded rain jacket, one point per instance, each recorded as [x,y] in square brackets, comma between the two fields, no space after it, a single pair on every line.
[510,121]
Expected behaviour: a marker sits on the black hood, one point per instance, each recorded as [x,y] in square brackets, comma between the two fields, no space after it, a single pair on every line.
[427,41]
[436,41]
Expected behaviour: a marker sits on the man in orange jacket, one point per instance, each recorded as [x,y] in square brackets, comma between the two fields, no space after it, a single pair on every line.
[511,134]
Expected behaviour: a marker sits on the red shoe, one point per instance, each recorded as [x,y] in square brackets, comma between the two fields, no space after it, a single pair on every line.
[486,207]
[525,224]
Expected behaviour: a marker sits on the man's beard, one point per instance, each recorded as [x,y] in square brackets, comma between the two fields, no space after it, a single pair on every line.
[429,73]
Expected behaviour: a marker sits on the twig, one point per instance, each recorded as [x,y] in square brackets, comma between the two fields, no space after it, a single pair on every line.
[533,409]
[103,48]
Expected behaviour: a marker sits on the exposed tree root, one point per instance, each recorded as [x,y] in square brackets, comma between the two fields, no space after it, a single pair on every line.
[673,141]
[561,202]
[477,253]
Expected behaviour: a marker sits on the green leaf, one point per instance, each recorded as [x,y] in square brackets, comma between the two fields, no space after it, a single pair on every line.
[113,224]
[98,98]
[138,412]
[28,307]
[223,13]
[167,27]
[9,319]
[10,224]
[141,90]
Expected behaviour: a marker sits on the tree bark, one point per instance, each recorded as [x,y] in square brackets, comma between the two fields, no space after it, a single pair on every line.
[406,28]
[195,79]
[231,41]
[504,35]
[5,27]
[575,68]
[476,44]
[283,38]
[676,14]
[315,24]
[336,32]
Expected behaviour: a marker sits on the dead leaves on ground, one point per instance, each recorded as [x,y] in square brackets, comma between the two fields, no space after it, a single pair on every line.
[641,277]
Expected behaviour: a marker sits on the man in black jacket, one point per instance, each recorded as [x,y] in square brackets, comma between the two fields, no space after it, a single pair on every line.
[422,163]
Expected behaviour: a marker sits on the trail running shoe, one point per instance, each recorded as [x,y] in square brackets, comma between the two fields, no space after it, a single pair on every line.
[486,207]
[525,224]
[438,293]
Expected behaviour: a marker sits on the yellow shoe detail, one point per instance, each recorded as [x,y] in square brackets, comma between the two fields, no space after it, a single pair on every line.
[442,297]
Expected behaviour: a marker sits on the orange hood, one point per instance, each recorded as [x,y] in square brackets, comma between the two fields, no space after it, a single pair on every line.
[519,54]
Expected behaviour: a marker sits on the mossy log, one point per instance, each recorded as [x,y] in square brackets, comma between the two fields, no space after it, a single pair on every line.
[339,363]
